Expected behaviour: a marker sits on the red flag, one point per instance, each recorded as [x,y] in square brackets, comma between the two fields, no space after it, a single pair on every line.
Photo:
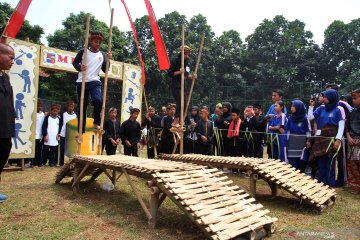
[16,20]
[159,43]
[137,42]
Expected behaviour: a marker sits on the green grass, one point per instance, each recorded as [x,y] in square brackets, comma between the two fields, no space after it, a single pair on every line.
[40,209]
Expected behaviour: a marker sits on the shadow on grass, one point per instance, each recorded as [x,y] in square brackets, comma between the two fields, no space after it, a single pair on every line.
[121,209]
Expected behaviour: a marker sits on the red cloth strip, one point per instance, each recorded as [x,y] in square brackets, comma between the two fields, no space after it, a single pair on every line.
[16,20]
[163,59]
[137,43]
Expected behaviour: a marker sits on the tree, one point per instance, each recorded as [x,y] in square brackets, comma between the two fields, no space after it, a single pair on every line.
[34,33]
[342,52]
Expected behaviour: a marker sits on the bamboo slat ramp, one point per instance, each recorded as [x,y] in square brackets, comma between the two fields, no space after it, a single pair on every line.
[278,175]
[221,209]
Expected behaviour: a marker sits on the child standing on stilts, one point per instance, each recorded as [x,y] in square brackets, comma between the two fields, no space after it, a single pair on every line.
[96,61]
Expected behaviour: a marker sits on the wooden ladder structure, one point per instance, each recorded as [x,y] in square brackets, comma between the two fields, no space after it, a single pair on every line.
[276,173]
[221,209]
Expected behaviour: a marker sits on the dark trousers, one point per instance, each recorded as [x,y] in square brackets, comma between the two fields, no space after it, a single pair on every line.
[235,151]
[110,149]
[131,151]
[94,89]
[5,148]
[204,149]
[151,152]
[327,170]
[167,147]
[177,96]
[258,150]
[190,145]
[38,149]
[62,151]
[51,153]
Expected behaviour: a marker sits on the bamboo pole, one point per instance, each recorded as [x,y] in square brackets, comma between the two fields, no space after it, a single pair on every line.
[182,90]
[105,85]
[195,73]
[145,100]
[84,62]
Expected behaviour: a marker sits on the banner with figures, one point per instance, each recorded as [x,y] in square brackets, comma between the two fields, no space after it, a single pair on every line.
[57,59]
[24,77]
[132,91]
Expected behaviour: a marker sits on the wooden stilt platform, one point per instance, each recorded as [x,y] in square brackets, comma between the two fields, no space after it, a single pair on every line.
[279,175]
[209,198]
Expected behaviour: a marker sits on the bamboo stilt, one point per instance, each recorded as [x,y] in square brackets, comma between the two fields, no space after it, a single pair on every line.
[105,84]
[84,62]
[182,89]
[195,74]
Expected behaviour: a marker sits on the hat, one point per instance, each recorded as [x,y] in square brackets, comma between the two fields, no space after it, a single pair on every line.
[112,109]
[219,105]
[187,48]
[135,110]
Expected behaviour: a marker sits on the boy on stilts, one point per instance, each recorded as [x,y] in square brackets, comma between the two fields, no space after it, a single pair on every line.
[96,60]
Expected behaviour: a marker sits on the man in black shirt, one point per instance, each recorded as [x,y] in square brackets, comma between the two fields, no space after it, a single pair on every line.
[152,122]
[130,134]
[175,72]
[7,116]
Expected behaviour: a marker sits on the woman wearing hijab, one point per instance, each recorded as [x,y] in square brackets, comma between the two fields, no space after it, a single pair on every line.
[298,129]
[330,124]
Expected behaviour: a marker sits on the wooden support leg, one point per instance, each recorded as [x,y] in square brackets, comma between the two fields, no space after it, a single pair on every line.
[22,164]
[274,189]
[138,196]
[75,185]
[253,179]
[154,206]
[114,178]
[162,198]
[96,174]
[81,175]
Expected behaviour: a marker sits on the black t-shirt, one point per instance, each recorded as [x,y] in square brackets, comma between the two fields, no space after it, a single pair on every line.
[7,116]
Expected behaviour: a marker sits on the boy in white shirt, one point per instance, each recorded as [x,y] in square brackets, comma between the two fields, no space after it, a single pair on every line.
[66,116]
[38,138]
[50,131]
[96,61]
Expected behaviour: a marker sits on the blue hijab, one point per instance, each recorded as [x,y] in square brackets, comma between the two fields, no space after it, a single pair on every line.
[333,97]
[300,114]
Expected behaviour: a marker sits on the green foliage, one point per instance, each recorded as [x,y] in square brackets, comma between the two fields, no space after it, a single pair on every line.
[34,33]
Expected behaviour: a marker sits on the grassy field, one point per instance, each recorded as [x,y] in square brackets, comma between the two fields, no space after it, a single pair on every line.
[40,209]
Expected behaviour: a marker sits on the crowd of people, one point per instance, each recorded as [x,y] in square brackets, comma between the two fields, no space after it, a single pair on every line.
[323,141]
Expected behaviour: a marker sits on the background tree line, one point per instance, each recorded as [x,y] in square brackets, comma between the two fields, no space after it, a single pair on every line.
[279,54]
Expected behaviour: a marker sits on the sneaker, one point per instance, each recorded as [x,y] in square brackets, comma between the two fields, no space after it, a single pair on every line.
[3,197]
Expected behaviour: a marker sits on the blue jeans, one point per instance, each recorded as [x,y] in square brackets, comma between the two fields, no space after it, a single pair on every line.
[94,89]
[327,170]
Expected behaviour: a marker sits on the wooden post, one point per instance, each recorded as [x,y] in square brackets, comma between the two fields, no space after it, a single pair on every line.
[252,179]
[182,90]
[195,73]
[81,117]
[105,85]
[154,205]
[145,100]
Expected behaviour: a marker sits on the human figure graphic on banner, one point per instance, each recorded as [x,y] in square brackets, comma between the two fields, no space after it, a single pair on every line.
[25,74]
[18,130]
[130,108]
[130,96]
[18,60]
[19,105]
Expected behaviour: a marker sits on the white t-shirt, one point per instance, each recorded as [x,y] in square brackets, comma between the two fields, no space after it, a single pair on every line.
[52,131]
[39,122]
[93,66]
[66,117]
